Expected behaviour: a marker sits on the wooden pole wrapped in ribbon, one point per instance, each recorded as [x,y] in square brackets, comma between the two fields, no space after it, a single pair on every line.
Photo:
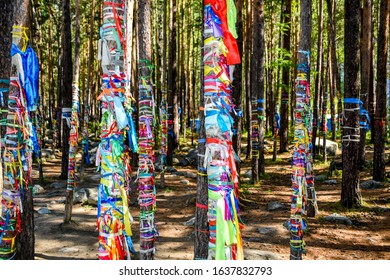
[146,121]
[73,139]
[220,54]
[303,197]
[113,158]
[20,140]
[146,183]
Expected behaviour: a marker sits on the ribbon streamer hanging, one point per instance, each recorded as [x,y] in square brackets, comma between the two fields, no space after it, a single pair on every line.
[20,141]
[164,130]
[73,138]
[220,53]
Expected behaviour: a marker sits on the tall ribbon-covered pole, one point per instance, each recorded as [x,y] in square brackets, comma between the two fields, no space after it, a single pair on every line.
[19,143]
[146,105]
[146,184]
[74,129]
[220,54]
[113,158]
[303,199]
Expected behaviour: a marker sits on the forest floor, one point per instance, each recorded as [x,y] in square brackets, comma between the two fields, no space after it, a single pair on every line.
[264,235]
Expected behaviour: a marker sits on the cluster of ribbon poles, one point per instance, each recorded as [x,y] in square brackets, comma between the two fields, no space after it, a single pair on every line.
[20,140]
[113,158]
[302,163]
[146,184]
[220,53]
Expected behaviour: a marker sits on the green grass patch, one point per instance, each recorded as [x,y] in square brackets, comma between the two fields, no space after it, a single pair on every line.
[269,161]
[365,207]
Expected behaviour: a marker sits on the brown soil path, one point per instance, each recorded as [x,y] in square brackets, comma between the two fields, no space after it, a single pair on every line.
[367,238]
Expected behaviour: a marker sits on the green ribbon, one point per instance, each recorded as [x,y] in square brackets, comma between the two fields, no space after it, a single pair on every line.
[225,231]
[232,17]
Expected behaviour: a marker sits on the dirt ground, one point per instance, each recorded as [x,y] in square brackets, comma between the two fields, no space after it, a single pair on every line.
[367,238]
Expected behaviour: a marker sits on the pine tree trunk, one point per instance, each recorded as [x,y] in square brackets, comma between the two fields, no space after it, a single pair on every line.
[318,80]
[286,45]
[164,143]
[332,81]
[350,193]
[254,74]
[26,239]
[6,22]
[86,101]
[50,62]
[238,87]
[147,245]
[325,95]
[66,89]
[335,77]
[248,53]
[381,97]
[171,85]
[301,145]
[260,82]
[371,90]
[73,139]
[201,221]
[257,79]
[366,64]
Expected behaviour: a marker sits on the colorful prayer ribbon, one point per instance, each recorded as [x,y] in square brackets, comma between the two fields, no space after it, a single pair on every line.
[19,142]
[302,162]
[225,242]
[113,157]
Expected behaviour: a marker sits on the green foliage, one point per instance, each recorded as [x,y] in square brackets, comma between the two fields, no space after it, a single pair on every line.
[283,59]
[168,189]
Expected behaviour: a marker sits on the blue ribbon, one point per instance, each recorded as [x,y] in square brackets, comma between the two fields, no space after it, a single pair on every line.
[352,101]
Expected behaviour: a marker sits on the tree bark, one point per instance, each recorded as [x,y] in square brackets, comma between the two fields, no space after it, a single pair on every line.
[171,86]
[325,95]
[164,148]
[237,87]
[286,18]
[248,53]
[335,75]
[261,93]
[257,70]
[318,78]
[26,239]
[254,74]
[145,56]
[301,145]
[350,193]
[6,21]
[66,89]
[381,97]
[73,139]
[366,64]
[201,220]
[86,99]
[371,91]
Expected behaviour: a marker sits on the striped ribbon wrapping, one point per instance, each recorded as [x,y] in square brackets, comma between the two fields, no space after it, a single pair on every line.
[113,157]
[225,241]
[146,180]
[302,161]
[20,140]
